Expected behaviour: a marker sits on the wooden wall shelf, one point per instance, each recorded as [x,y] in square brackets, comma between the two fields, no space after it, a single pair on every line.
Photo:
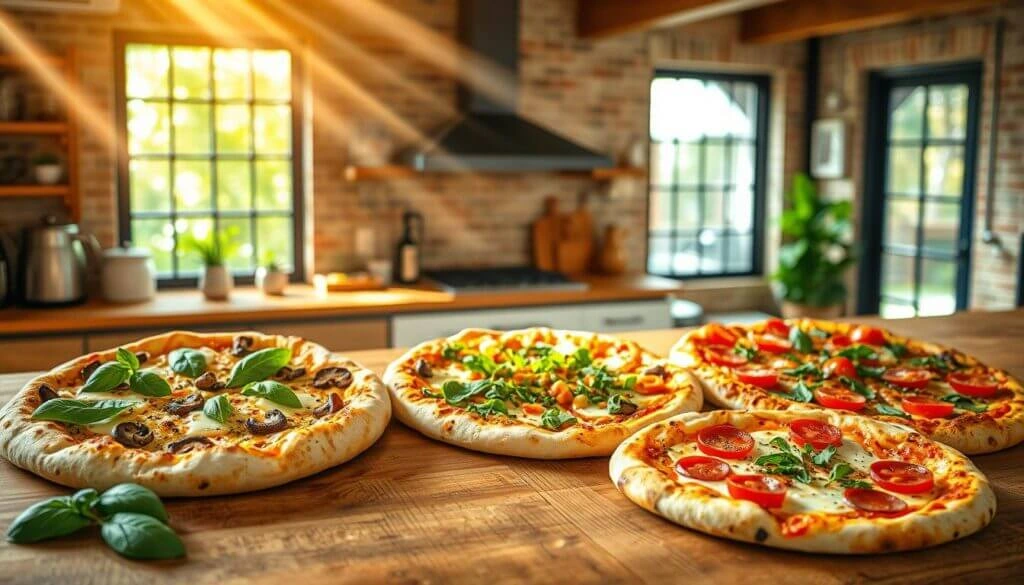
[31,128]
[34,190]
[385,172]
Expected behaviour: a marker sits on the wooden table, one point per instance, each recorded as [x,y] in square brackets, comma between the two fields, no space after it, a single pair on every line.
[411,510]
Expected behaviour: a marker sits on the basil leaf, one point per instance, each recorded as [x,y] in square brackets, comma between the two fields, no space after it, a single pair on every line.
[187,361]
[492,406]
[218,408]
[83,500]
[138,536]
[930,361]
[259,366]
[79,412]
[555,418]
[800,392]
[130,497]
[858,387]
[47,519]
[839,471]
[629,383]
[824,456]
[619,405]
[869,372]
[854,483]
[858,352]
[788,461]
[149,383]
[107,377]
[887,410]
[127,359]
[451,352]
[800,340]
[898,349]
[804,369]
[479,362]
[742,349]
[580,359]
[455,393]
[272,391]
[964,403]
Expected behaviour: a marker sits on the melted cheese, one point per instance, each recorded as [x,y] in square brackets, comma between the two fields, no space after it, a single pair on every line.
[130,396]
[200,424]
[104,427]
[307,400]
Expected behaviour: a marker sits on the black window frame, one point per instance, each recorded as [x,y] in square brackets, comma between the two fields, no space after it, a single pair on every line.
[763,83]
[124,38]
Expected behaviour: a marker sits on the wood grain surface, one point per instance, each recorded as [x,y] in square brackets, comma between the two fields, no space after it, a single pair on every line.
[411,510]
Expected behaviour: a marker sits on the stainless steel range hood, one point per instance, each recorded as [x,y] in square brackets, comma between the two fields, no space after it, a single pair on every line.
[491,136]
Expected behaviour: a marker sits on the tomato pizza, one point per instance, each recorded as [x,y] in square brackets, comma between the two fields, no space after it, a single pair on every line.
[811,480]
[776,364]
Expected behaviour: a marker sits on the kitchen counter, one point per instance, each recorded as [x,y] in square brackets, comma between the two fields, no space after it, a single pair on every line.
[414,510]
[182,308]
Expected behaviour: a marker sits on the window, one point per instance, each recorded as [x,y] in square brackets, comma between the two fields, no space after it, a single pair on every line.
[210,148]
[706,196]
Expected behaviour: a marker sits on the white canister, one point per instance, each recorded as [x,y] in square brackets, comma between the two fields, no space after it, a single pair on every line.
[129,275]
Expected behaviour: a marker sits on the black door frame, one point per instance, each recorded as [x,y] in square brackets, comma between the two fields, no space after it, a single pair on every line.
[875,178]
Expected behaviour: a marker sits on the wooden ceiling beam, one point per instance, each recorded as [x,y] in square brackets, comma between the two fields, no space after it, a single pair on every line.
[605,18]
[796,20]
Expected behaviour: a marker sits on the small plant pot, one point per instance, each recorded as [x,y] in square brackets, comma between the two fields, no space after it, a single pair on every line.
[216,283]
[797,310]
[49,174]
[271,282]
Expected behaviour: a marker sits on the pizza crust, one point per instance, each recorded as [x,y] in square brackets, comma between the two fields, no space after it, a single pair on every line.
[694,506]
[47,449]
[973,434]
[508,437]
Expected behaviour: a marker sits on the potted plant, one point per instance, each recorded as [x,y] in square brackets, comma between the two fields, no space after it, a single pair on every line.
[215,280]
[815,255]
[48,168]
[270,278]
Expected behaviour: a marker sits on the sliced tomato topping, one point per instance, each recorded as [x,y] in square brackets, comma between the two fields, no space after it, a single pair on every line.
[651,384]
[908,377]
[724,356]
[868,335]
[818,433]
[839,340]
[703,468]
[839,366]
[725,441]
[874,501]
[716,334]
[902,477]
[927,407]
[763,490]
[834,396]
[776,327]
[973,384]
[772,344]
[758,376]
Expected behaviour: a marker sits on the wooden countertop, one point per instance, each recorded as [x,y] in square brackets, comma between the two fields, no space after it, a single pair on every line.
[180,308]
[413,510]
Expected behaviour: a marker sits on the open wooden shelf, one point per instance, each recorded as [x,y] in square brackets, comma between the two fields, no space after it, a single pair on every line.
[384,172]
[34,190]
[15,62]
[29,128]
[619,173]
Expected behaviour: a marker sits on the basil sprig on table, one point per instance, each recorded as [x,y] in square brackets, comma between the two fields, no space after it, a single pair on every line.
[125,368]
[259,366]
[272,391]
[79,412]
[132,521]
[189,362]
[218,408]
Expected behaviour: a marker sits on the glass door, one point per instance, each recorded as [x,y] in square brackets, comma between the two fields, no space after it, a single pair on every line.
[921,149]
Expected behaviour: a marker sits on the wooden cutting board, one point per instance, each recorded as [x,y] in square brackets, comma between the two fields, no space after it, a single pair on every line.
[545,236]
[576,241]
[413,510]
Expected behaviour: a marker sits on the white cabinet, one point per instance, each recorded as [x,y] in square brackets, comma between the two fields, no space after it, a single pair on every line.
[631,316]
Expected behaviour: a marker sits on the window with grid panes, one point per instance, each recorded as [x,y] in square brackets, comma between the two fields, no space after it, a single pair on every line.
[209,149]
[706,193]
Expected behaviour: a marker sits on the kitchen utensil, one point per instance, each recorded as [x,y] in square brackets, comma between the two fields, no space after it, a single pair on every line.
[612,259]
[545,236]
[129,274]
[575,245]
[55,261]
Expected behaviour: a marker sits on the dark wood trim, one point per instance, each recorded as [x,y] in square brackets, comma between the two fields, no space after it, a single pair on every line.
[811,75]
[605,18]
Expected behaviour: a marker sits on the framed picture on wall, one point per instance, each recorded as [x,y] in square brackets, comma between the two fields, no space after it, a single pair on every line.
[828,149]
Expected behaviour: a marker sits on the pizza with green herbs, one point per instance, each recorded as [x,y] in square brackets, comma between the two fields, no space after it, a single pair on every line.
[940,391]
[538,393]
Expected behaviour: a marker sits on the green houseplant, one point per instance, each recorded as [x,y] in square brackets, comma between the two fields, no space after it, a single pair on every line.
[213,250]
[816,253]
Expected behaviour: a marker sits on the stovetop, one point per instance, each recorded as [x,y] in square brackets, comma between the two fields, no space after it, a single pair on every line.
[501,280]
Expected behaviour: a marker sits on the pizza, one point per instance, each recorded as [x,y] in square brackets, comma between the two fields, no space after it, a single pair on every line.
[812,480]
[538,393]
[776,364]
[189,414]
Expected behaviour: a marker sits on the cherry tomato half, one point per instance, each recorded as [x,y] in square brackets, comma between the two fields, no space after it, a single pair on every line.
[973,384]
[926,407]
[763,490]
[724,356]
[772,344]
[908,377]
[776,327]
[834,396]
[703,468]
[725,441]
[901,477]
[874,501]
[758,376]
[818,433]
[716,334]
[839,366]
[839,340]
[868,335]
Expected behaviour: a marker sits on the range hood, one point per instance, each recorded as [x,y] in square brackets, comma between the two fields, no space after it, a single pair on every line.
[491,136]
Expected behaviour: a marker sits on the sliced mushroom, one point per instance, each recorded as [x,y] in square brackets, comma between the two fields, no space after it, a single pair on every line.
[207,381]
[274,421]
[337,377]
[288,373]
[142,356]
[183,406]
[658,370]
[241,346]
[46,393]
[132,434]
[423,368]
[627,408]
[188,444]
[89,369]
[332,404]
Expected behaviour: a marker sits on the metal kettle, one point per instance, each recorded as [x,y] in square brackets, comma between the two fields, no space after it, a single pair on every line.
[54,263]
